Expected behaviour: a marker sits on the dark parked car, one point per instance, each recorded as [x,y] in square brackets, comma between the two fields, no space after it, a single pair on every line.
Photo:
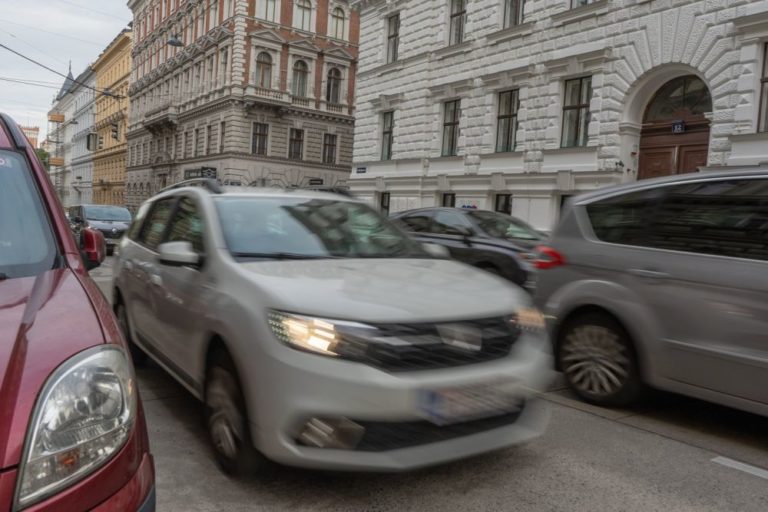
[72,431]
[112,221]
[492,241]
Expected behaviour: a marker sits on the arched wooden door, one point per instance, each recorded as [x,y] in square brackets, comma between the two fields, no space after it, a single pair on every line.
[675,134]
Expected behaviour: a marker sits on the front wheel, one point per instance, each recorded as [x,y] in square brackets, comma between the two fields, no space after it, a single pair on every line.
[598,360]
[227,420]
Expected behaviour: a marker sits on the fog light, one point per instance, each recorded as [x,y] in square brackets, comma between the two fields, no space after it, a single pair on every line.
[336,433]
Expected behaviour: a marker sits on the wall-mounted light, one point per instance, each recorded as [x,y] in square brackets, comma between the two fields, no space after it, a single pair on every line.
[176,41]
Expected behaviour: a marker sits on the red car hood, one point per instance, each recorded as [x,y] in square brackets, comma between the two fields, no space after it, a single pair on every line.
[44,320]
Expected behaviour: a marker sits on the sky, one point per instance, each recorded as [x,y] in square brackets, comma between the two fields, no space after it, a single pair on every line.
[53,32]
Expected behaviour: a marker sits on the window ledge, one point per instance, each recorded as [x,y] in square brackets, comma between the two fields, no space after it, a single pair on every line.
[580,13]
[510,33]
[747,137]
[572,149]
[389,68]
[454,49]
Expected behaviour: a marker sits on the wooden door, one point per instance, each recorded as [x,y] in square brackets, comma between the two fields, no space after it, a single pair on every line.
[657,161]
[692,157]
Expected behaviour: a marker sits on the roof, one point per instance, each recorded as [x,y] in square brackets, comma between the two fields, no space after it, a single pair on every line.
[265,192]
[67,83]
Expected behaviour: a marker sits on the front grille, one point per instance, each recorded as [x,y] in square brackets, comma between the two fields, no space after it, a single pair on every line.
[381,437]
[410,347]
[109,234]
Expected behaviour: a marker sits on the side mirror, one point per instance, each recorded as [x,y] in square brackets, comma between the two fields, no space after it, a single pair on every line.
[178,254]
[93,248]
[437,251]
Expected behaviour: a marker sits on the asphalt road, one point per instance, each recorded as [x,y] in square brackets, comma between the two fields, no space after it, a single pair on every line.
[669,454]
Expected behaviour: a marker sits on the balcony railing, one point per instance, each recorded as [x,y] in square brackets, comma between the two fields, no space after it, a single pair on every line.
[301,102]
[271,94]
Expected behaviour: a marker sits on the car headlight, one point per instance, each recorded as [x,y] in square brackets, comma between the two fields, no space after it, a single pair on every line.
[83,416]
[334,338]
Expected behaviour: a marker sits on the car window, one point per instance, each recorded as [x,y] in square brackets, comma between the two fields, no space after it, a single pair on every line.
[138,220]
[187,225]
[417,222]
[500,225]
[302,228]
[625,219]
[153,229]
[447,222]
[727,218]
[27,244]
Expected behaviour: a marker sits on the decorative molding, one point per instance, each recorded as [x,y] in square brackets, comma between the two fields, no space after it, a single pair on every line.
[509,33]
[387,101]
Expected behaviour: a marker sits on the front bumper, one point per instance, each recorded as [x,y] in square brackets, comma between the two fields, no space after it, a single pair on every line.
[312,386]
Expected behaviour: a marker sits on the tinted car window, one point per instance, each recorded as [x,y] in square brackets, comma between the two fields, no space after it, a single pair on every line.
[416,222]
[625,219]
[152,231]
[447,222]
[187,226]
[27,245]
[727,218]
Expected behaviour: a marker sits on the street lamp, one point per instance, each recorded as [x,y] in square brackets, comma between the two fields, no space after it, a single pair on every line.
[176,41]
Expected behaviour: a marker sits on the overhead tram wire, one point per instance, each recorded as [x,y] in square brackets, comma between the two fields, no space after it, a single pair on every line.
[38,50]
[105,93]
[91,9]
[94,43]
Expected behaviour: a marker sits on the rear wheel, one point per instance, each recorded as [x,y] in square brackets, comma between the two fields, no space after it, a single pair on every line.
[227,420]
[137,354]
[598,360]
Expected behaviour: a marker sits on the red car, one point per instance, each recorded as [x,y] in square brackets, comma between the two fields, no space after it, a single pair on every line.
[72,431]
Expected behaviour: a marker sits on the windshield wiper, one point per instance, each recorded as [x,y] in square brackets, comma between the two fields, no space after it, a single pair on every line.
[282,256]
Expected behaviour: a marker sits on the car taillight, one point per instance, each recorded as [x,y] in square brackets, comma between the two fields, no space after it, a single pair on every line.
[547,257]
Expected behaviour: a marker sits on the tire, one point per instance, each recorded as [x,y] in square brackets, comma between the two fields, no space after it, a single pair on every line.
[599,361]
[137,354]
[227,419]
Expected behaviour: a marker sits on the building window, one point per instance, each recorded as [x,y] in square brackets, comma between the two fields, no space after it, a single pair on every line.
[296,144]
[267,10]
[209,140]
[222,133]
[300,74]
[338,22]
[329,149]
[509,102]
[223,64]
[333,94]
[264,70]
[449,200]
[580,3]
[576,112]
[451,111]
[302,15]
[260,139]
[503,203]
[384,203]
[763,126]
[229,8]
[513,12]
[196,150]
[458,21]
[388,123]
[213,19]
[393,37]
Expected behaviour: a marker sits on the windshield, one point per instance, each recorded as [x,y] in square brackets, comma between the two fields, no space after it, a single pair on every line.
[503,226]
[112,213]
[27,247]
[301,228]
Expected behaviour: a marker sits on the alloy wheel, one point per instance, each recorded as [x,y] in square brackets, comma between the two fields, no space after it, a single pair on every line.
[595,360]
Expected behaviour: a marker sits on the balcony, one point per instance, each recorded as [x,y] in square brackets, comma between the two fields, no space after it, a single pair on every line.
[164,115]
[301,101]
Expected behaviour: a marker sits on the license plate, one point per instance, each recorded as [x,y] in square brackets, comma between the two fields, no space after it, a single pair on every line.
[455,405]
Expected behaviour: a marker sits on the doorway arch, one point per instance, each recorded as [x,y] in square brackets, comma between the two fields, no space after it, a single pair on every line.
[674,138]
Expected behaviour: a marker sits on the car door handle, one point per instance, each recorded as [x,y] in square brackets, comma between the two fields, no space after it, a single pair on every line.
[648,274]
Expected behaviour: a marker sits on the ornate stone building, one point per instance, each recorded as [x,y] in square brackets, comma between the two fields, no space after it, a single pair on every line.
[516,105]
[247,91]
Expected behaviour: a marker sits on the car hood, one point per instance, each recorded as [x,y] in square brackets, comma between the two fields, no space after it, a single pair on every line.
[44,320]
[385,290]
[109,224]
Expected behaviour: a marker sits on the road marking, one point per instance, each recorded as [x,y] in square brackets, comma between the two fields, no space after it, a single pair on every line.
[752,470]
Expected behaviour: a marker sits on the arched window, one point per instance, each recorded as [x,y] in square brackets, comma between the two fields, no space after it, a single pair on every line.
[678,99]
[264,70]
[300,76]
[302,16]
[338,19]
[333,94]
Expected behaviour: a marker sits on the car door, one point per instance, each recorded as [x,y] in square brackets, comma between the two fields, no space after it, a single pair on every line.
[417,224]
[183,293]
[142,264]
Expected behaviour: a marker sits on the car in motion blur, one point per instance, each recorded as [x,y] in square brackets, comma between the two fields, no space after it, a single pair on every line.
[112,221]
[492,241]
[663,283]
[72,429]
[318,334]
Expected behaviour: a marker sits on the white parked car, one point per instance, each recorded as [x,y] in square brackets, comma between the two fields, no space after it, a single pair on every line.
[318,334]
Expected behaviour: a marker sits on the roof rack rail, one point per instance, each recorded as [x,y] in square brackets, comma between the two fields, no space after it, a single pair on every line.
[343,191]
[208,183]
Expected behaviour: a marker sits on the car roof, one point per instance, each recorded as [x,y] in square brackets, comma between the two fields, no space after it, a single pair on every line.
[616,190]
[230,191]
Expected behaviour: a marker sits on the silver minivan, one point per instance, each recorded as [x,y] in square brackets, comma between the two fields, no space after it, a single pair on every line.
[663,283]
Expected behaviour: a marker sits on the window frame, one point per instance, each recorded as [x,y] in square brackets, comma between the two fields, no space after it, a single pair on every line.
[385,202]
[387,135]
[506,199]
[333,86]
[298,71]
[457,22]
[335,20]
[294,141]
[330,149]
[519,13]
[450,199]
[453,126]
[304,9]
[266,10]
[510,139]
[393,38]
[264,70]
[762,120]
[580,108]
[260,139]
